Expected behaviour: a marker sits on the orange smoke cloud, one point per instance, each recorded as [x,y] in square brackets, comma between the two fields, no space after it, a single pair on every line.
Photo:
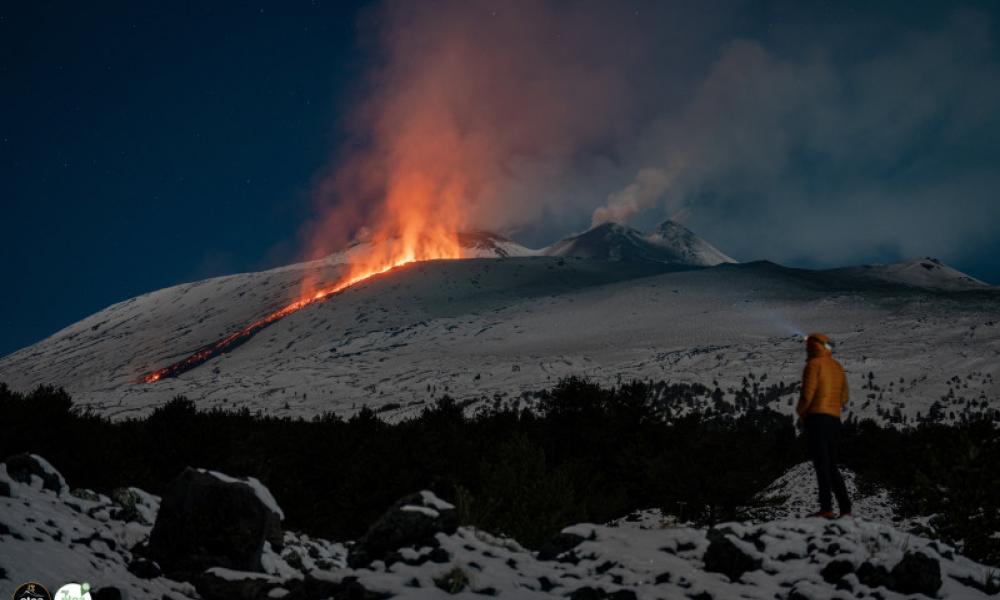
[472,112]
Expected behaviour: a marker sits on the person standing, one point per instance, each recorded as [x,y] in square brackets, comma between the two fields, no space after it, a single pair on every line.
[824,393]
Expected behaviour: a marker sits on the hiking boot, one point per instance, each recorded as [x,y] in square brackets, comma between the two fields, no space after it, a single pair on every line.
[825,514]
[845,515]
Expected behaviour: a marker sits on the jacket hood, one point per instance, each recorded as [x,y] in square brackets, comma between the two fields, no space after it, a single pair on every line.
[816,345]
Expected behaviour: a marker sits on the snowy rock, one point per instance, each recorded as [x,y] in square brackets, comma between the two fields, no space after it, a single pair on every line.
[729,556]
[144,569]
[559,544]
[206,521]
[59,538]
[263,494]
[22,467]
[917,573]
[835,570]
[874,576]
[51,537]
[136,505]
[412,522]
[109,593]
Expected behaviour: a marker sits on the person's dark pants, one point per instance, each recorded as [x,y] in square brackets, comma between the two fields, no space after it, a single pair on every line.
[821,436]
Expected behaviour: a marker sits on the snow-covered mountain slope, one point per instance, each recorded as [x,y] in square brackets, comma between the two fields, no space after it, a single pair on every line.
[505,326]
[670,243]
[483,244]
[688,248]
[918,272]
[55,537]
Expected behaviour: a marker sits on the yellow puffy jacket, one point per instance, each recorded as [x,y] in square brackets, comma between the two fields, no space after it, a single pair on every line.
[824,385]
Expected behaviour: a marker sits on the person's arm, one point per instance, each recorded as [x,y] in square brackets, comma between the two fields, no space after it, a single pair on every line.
[810,381]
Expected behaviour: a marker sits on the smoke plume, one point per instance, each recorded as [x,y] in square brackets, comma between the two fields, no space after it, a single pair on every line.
[831,144]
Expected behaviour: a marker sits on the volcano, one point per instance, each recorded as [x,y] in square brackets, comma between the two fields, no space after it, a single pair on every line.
[611,304]
[670,243]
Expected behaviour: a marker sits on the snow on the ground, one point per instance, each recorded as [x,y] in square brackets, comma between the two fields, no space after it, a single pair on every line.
[796,494]
[513,325]
[54,539]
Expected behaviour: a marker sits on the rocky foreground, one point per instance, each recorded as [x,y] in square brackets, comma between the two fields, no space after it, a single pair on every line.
[215,536]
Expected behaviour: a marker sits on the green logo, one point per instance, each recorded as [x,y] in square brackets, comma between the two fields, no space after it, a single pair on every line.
[73,591]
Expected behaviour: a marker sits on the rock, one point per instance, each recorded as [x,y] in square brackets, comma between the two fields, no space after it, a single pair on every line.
[5,491]
[725,556]
[346,589]
[130,504]
[989,586]
[587,593]
[413,521]
[109,593]
[874,576]
[917,573]
[835,570]
[211,586]
[439,555]
[559,544]
[210,520]
[21,467]
[144,569]
[453,582]
[83,494]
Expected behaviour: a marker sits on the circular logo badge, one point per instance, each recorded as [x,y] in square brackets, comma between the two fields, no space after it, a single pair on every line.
[31,591]
[73,591]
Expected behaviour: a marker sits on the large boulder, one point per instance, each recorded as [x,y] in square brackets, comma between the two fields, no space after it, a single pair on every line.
[208,519]
[413,521]
[21,467]
[917,573]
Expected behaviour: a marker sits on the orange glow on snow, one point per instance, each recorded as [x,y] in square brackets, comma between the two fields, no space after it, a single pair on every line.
[415,226]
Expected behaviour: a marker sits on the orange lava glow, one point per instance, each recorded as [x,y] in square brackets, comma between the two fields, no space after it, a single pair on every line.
[412,231]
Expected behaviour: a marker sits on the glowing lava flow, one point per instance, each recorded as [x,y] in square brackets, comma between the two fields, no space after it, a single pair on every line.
[238,337]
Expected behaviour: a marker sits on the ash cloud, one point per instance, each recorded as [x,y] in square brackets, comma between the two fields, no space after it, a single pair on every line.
[775,136]
[815,159]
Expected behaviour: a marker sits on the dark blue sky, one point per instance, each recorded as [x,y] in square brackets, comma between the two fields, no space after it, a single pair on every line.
[146,144]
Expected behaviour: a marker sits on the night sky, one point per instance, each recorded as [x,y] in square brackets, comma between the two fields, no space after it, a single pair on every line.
[148,144]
